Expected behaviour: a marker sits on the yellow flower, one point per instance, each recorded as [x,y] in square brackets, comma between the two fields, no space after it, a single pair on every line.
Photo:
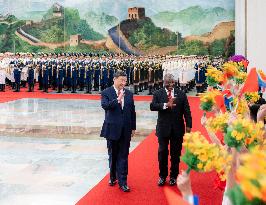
[210,156]
[218,123]
[200,165]
[230,69]
[252,97]
[251,175]
[217,75]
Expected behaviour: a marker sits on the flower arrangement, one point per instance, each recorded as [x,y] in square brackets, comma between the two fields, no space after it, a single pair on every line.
[203,156]
[241,106]
[218,123]
[230,69]
[214,76]
[241,61]
[251,179]
[240,78]
[207,100]
[243,132]
[252,97]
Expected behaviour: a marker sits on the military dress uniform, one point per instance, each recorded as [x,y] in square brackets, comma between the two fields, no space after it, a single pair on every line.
[31,78]
[60,78]
[17,76]
[199,77]
[151,78]
[136,77]
[45,74]
[88,76]
[81,76]
[104,75]
[74,75]
[97,73]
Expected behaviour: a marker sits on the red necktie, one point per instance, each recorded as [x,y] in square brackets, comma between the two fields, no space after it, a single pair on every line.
[118,94]
[169,94]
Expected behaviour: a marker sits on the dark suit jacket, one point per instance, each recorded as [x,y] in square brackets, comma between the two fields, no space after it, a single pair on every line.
[171,118]
[117,119]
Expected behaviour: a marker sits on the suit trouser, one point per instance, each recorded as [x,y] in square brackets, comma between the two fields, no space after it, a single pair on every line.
[118,151]
[175,152]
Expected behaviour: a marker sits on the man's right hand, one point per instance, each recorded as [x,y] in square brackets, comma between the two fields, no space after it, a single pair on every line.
[119,99]
[170,103]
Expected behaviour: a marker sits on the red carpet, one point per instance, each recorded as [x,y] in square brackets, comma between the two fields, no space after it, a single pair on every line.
[143,175]
[9,95]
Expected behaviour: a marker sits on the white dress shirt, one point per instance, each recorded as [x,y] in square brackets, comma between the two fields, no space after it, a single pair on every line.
[172,95]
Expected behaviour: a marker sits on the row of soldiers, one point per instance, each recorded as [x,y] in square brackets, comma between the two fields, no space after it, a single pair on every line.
[85,72]
[93,72]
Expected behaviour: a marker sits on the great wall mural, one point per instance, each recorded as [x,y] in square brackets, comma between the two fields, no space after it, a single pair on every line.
[196,27]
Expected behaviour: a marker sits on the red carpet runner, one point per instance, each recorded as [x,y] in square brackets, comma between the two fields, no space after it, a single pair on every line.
[143,175]
[9,95]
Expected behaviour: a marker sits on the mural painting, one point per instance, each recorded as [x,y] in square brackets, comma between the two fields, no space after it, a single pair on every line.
[150,27]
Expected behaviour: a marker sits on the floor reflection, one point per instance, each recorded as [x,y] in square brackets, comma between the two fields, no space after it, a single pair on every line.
[63,117]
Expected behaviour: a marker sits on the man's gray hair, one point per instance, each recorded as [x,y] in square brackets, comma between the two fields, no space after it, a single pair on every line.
[120,73]
[169,77]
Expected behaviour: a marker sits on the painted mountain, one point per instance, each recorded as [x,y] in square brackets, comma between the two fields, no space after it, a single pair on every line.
[100,23]
[193,20]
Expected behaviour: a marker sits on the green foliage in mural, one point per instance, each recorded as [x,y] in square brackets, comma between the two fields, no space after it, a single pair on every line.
[147,35]
[82,48]
[217,48]
[11,19]
[192,48]
[52,28]
[100,22]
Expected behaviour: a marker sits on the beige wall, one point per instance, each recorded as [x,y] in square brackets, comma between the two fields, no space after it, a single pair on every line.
[251,31]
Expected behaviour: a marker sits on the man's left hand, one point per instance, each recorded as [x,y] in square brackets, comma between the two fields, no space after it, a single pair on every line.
[133,133]
[188,129]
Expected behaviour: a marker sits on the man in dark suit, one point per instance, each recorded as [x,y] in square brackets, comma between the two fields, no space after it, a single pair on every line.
[118,128]
[173,107]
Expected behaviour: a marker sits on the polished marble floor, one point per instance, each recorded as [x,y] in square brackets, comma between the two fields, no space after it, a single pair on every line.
[41,171]
[50,150]
[63,118]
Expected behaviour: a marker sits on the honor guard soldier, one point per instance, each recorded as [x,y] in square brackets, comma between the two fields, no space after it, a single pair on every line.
[54,75]
[60,78]
[151,77]
[81,75]
[73,77]
[156,76]
[136,77]
[131,71]
[199,77]
[50,73]
[104,73]
[88,76]
[127,65]
[110,67]
[30,78]
[17,76]
[45,74]
[141,75]
[77,70]
[160,72]
[97,72]
[40,76]
[68,76]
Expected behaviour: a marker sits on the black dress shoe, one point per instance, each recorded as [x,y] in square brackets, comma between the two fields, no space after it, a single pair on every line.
[112,182]
[172,181]
[161,181]
[125,188]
